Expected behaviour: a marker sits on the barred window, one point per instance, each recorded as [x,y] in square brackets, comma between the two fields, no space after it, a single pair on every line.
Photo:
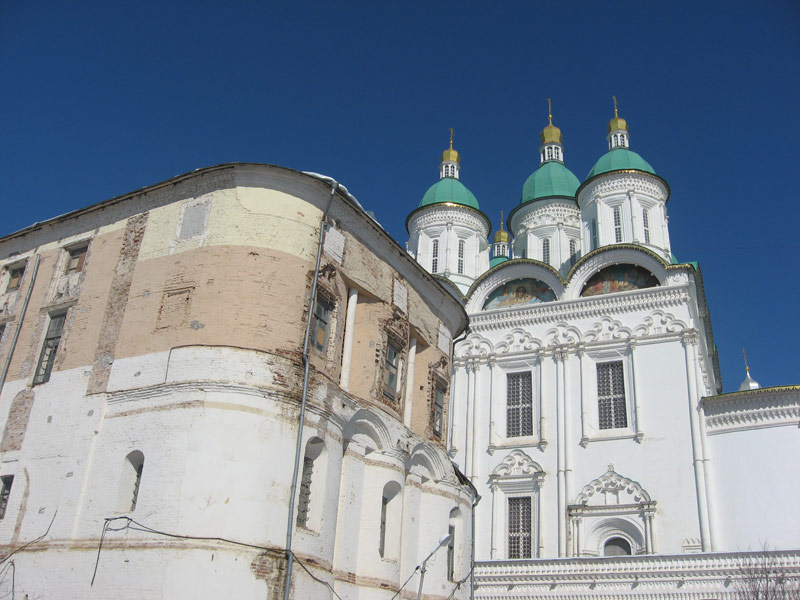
[5,492]
[438,410]
[323,309]
[519,527]
[594,234]
[305,491]
[51,341]
[546,251]
[461,244]
[573,252]
[435,257]
[611,395]
[391,364]
[646,224]
[519,404]
[617,224]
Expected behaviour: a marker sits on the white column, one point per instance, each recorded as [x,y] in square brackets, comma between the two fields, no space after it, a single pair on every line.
[448,255]
[477,412]
[347,350]
[409,395]
[492,415]
[690,345]
[495,533]
[542,438]
[567,431]
[560,449]
[584,395]
[469,425]
[637,413]
[634,207]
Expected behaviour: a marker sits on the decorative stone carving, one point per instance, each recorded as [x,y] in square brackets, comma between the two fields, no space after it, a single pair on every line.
[517,464]
[610,488]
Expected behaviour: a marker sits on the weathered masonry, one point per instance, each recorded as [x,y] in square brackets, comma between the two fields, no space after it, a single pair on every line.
[166,356]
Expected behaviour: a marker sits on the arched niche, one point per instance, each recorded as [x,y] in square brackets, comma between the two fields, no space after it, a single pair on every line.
[519,292]
[618,278]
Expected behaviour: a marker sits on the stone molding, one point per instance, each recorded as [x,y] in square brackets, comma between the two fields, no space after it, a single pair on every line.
[441,214]
[621,184]
[752,409]
[549,214]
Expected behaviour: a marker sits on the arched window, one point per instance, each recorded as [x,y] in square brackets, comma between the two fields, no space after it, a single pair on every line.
[391,512]
[455,531]
[617,546]
[314,449]
[130,481]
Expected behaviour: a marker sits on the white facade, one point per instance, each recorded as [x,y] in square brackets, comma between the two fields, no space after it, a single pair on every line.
[587,410]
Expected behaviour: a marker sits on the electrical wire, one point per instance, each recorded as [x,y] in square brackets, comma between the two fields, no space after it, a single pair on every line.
[404,583]
[33,541]
[142,527]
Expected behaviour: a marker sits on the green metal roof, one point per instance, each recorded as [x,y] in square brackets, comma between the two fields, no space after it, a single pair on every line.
[497,260]
[620,159]
[551,179]
[449,190]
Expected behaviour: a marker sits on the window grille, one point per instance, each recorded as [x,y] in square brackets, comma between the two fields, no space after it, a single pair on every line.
[136,484]
[461,244]
[557,153]
[5,492]
[611,396]
[438,410]
[573,252]
[519,527]
[617,547]
[51,341]
[323,309]
[646,224]
[546,251]
[451,554]
[435,257]
[519,404]
[594,234]
[617,224]
[304,499]
[391,364]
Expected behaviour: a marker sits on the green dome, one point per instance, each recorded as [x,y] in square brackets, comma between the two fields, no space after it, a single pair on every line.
[497,260]
[620,159]
[551,179]
[449,190]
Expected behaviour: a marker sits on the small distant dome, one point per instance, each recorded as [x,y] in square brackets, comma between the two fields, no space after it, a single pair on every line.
[620,159]
[497,260]
[449,190]
[749,383]
[551,179]
[451,155]
[501,235]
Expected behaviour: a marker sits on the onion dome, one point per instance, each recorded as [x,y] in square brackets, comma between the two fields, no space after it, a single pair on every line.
[449,190]
[619,157]
[501,235]
[749,383]
[551,179]
[497,260]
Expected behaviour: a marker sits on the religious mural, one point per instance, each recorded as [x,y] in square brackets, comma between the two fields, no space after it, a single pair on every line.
[519,292]
[619,278]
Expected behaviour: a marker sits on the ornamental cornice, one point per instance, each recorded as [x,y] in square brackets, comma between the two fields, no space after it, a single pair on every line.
[752,409]
[440,214]
[616,182]
[651,299]
[548,214]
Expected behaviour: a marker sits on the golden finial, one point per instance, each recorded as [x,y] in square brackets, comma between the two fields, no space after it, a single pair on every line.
[549,111]
[451,155]
[746,366]
[550,134]
[501,220]
[502,235]
[616,114]
[451,138]
[617,123]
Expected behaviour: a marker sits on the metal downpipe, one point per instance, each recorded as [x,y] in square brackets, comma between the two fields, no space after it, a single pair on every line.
[7,364]
[298,449]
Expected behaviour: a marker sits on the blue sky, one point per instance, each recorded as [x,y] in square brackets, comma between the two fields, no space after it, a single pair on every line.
[101,98]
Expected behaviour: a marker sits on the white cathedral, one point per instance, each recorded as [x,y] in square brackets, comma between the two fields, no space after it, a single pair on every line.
[587,405]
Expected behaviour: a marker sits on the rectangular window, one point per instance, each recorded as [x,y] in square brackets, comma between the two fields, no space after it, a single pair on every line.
[15,278]
[323,309]
[435,257]
[519,527]
[646,224]
[594,234]
[611,405]
[77,256]
[546,251]
[573,252]
[438,410]
[382,540]
[617,224]
[451,554]
[519,404]
[5,492]
[461,244]
[304,499]
[51,341]
[390,370]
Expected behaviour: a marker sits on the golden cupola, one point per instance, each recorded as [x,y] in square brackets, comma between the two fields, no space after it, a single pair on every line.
[552,148]
[451,161]
[617,130]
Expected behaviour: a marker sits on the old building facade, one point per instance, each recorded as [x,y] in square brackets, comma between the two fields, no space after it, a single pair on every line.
[211,370]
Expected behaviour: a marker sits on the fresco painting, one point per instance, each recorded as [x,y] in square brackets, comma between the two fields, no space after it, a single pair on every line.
[619,278]
[519,292]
